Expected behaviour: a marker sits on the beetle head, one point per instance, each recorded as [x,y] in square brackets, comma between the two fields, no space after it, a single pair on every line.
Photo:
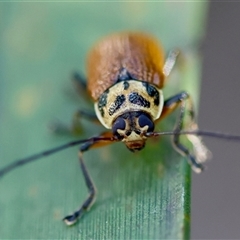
[131,128]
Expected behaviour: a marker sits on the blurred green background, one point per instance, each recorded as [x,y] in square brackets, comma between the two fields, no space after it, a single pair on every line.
[140,196]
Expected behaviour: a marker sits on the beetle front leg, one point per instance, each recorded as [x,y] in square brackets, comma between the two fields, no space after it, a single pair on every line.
[201,153]
[71,219]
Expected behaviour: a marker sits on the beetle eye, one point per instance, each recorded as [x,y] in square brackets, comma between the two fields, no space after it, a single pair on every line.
[118,124]
[144,120]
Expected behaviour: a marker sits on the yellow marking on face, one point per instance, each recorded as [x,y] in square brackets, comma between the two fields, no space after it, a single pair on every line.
[133,136]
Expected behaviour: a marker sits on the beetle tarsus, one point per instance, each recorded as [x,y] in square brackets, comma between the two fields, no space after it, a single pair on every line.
[71,219]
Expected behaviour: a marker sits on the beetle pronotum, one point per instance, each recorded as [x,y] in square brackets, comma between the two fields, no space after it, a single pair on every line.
[125,75]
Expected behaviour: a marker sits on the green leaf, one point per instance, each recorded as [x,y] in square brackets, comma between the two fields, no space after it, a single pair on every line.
[140,196]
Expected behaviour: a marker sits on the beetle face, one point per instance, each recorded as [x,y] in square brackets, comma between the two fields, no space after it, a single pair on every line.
[131,128]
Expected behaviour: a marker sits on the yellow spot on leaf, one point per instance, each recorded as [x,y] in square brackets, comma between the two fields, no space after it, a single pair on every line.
[33,191]
[27,101]
[160,170]
[105,155]
[57,213]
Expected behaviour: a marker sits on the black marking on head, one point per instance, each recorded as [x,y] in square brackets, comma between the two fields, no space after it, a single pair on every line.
[130,116]
[102,102]
[135,121]
[137,99]
[119,124]
[145,120]
[124,74]
[152,92]
[137,131]
[117,104]
[126,85]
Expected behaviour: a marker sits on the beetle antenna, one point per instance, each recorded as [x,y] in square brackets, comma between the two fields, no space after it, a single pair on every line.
[219,135]
[51,151]
[21,162]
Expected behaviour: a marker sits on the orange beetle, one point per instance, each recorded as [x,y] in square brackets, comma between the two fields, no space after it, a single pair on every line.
[126,72]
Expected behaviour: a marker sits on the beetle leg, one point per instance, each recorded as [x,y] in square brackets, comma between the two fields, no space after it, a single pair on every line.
[80,83]
[71,219]
[170,61]
[76,126]
[201,153]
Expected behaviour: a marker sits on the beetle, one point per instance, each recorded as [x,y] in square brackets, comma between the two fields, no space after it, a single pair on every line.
[126,73]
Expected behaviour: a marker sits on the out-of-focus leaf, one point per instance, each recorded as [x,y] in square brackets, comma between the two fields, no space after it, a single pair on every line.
[140,196]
